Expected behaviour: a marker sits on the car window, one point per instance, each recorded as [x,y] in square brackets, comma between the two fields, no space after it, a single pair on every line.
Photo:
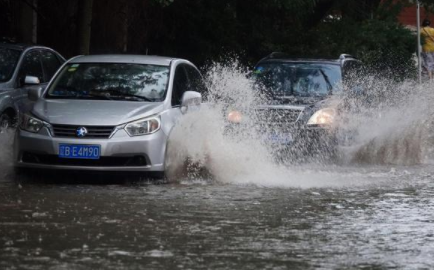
[50,63]
[298,78]
[310,81]
[180,84]
[113,81]
[8,62]
[31,66]
[195,80]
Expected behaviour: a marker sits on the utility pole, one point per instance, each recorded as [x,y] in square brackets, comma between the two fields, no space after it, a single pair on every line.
[419,59]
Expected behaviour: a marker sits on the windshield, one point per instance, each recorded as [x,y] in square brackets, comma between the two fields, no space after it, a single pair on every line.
[112,81]
[8,62]
[299,79]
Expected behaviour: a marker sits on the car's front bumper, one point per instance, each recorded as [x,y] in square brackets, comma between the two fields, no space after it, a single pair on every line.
[296,137]
[118,153]
[309,137]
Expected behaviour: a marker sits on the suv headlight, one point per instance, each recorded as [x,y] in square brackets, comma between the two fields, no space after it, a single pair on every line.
[143,126]
[235,117]
[322,117]
[30,123]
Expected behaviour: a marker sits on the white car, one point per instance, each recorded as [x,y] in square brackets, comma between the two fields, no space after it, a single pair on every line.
[107,113]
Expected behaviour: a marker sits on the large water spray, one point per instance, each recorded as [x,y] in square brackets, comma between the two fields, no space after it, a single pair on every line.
[390,126]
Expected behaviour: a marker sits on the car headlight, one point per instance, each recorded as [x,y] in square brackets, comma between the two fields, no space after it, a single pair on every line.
[235,117]
[143,126]
[322,117]
[30,123]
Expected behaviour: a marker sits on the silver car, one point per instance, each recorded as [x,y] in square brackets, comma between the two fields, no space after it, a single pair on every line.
[23,67]
[108,113]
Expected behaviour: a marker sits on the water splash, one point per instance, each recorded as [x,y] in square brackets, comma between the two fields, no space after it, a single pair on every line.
[391,129]
[394,128]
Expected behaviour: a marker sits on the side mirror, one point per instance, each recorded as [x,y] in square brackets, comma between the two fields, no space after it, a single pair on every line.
[34,94]
[31,80]
[191,98]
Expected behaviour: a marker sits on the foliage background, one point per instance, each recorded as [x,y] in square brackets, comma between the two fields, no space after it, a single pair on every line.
[207,30]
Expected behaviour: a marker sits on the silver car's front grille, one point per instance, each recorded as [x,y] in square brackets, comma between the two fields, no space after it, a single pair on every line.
[277,116]
[97,132]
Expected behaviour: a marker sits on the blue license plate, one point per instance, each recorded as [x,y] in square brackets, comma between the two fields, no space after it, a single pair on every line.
[279,138]
[79,151]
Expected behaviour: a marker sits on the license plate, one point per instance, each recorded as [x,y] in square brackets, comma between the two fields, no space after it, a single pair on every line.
[279,138]
[79,151]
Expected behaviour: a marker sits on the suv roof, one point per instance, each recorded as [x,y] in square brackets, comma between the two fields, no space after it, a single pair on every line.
[282,57]
[20,46]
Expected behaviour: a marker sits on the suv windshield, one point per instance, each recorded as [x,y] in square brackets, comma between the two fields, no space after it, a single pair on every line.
[299,79]
[112,81]
[8,62]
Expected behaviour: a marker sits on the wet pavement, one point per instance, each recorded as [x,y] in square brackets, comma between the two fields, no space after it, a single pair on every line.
[387,222]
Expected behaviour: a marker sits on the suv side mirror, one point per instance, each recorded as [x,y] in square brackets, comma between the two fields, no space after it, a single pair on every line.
[31,80]
[190,98]
[34,94]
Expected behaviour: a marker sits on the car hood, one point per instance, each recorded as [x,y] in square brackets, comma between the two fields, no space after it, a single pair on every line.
[93,112]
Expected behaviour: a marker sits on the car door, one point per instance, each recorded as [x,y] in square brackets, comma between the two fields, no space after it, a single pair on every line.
[180,85]
[195,81]
[30,66]
[50,64]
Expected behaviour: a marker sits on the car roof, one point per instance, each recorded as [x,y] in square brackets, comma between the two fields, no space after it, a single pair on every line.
[123,58]
[303,60]
[281,57]
[20,46]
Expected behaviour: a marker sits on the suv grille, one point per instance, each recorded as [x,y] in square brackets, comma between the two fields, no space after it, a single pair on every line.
[277,116]
[97,132]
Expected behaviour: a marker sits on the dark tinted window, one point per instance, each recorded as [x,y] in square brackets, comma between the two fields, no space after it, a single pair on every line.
[31,66]
[180,85]
[8,62]
[299,79]
[51,63]
[196,82]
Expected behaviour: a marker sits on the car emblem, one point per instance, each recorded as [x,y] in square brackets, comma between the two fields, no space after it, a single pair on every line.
[81,132]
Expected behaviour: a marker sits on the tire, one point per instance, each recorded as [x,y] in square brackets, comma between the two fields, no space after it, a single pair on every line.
[21,174]
[5,122]
[158,175]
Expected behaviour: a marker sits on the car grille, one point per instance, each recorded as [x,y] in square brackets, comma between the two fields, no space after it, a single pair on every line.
[277,116]
[132,161]
[96,132]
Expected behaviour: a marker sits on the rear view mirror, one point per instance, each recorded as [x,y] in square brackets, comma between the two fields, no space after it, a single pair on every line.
[35,94]
[31,80]
[190,98]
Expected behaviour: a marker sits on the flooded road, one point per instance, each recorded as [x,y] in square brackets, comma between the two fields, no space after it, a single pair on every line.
[246,211]
[83,223]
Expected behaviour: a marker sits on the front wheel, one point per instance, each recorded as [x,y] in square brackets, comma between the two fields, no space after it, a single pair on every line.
[5,122]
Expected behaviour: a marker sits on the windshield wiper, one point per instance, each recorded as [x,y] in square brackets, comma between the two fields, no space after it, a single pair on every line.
[123,94]
[329,85]
[289,99]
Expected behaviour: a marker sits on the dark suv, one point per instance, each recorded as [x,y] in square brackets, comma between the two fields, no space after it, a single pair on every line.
[303,100]
[23,67]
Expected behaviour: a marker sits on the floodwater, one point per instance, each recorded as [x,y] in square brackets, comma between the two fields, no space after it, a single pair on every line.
[237,207]
[115,224]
